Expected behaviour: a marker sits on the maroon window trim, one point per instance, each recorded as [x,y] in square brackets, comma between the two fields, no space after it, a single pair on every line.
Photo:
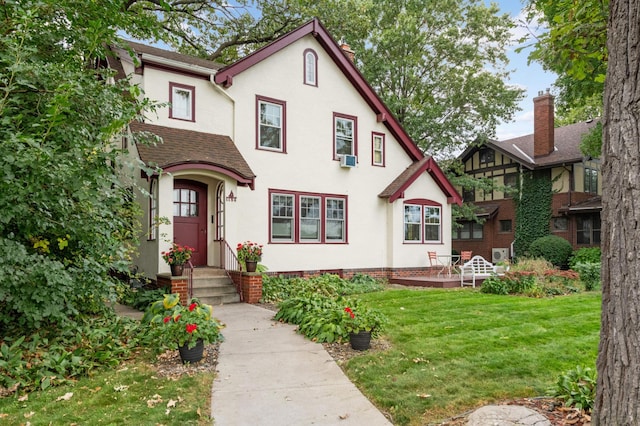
[304,67]
[283,123]
[383,147]
[193,100]
[355,133]
[296,216]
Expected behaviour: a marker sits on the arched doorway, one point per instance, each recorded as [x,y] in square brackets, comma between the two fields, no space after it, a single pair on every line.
[190,218]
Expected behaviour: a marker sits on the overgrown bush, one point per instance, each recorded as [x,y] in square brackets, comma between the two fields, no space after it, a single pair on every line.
[276,289]
[577,388]
[585,255]
[552,248]
[589,275]
[52,357]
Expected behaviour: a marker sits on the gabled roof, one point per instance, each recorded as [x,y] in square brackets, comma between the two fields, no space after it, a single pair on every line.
[566,141]
[396,188]
[183,149]
[167,58]
[225,76]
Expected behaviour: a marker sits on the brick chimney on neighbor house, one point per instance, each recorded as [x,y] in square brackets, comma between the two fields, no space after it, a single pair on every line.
[347,51]
[543,124]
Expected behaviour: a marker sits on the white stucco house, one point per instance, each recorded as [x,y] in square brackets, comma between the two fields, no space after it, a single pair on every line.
[288,147]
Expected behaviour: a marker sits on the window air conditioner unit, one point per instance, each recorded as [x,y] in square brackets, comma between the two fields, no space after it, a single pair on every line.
[499,254]
[348,160]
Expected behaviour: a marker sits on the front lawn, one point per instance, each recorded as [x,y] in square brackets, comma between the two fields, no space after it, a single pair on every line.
[454,350]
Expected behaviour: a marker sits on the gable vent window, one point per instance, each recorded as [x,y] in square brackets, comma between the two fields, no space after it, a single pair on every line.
[310,68]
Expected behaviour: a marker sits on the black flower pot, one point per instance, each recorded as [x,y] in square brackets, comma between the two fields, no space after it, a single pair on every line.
[176,270]
[191,355]
[360,341]
[251,265]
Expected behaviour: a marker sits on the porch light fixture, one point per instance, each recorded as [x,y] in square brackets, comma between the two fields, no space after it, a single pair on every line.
[231,197]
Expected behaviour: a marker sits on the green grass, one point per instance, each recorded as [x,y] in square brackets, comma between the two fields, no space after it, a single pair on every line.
[453,350]
[128,395]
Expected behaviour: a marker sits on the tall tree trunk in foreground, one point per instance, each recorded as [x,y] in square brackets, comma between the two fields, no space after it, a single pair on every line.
[618,391]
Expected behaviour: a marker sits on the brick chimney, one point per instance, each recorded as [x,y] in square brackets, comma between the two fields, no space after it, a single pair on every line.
[543,124]
[347,51]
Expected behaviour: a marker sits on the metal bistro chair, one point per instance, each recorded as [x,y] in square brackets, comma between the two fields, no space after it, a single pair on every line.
[465,256]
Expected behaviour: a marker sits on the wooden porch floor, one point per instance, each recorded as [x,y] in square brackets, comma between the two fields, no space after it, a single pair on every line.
[429,281]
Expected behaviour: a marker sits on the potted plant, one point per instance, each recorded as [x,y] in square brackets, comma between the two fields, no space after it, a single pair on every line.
[187,328]
[362,323]
[249,254]
[176,257]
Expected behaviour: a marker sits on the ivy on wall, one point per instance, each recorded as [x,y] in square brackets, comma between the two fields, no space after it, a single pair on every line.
[533,209]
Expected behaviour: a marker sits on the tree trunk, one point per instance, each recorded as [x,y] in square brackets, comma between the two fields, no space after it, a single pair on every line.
[618,391]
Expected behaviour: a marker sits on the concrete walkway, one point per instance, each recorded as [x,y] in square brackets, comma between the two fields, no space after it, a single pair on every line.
[270,375]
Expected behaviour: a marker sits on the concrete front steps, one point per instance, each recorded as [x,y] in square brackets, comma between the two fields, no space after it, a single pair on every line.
[213,287]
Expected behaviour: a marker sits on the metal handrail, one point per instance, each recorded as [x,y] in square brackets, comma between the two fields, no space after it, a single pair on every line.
[231,263]
[190,281]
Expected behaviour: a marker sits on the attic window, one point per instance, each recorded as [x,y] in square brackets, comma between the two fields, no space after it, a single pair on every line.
[487,156]
[310,68]
[182,99]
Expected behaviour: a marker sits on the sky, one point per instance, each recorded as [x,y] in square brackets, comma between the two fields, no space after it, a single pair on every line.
[530,77]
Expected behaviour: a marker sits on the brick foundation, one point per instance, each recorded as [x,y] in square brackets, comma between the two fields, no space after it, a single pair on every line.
[251,286]
[381,273]
[178,285]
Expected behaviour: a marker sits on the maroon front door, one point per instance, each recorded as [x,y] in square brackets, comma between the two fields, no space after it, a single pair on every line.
[190,218]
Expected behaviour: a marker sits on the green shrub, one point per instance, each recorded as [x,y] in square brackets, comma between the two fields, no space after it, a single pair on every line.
[589,275]
[552,248]
[494,285]
[277,289]
[54,356]
[577,388]
[585,255]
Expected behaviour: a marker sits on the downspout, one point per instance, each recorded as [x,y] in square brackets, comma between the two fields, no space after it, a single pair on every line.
[233,106]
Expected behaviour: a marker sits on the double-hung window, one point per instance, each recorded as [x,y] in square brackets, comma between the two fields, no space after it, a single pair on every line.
[590,180]
[422,221]
[299,217]
[344,135]
[271,117]
[182,100]
[282,217]
[377,149]
[310,68]
[335,219]
[310,222]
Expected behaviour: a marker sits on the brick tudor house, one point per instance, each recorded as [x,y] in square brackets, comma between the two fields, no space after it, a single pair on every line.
[288,147]
[552,152]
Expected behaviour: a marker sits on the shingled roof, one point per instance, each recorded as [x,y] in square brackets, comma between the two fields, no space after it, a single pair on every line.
[180,148]
[142,49]
[396,188]
[566,140]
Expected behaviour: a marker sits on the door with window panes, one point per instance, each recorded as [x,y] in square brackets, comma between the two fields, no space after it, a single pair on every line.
[190,218]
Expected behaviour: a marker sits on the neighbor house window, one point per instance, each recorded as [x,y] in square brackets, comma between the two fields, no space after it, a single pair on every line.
[560,223]
[153,209]
[590,180]
[469,231]
[486,156]
[422,221]
[468,194]
[505,225]
[307,218]
[344,135]
[310,67]
[182,99]
[377,149]
[271,115]
[588,229]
